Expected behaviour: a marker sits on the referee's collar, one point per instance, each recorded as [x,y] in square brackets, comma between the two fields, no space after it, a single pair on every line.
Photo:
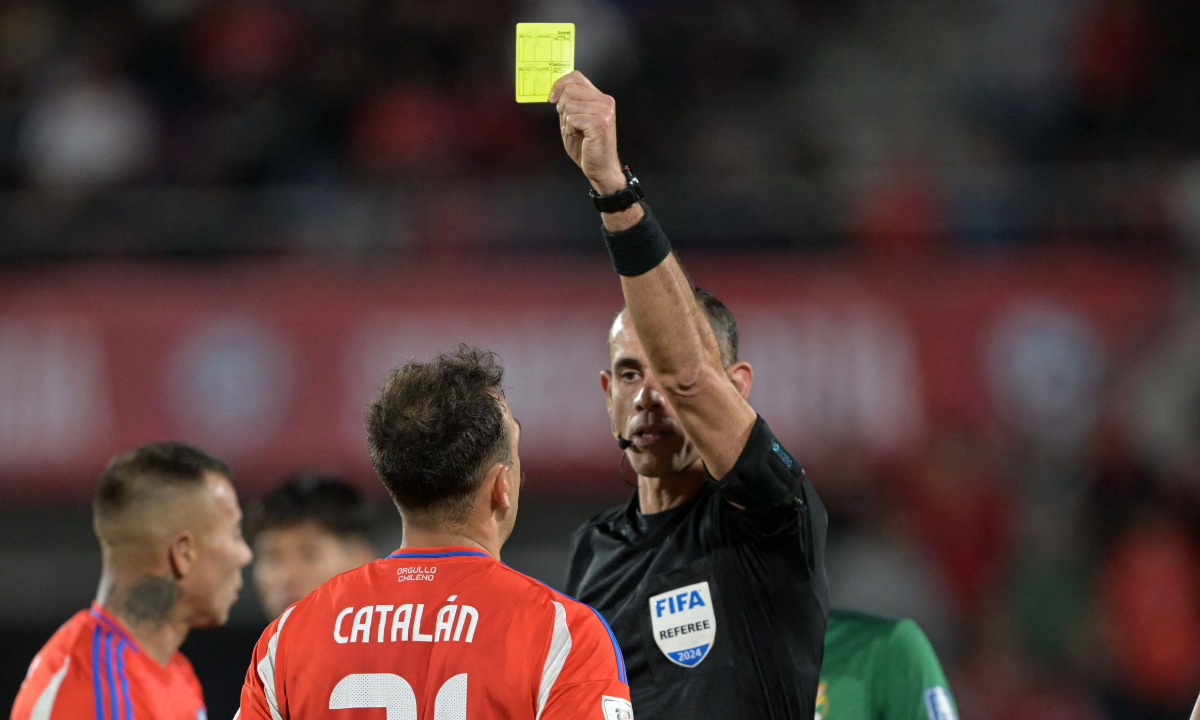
[631,526]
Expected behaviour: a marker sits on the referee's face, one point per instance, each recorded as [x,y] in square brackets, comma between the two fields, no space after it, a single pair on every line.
[639,410]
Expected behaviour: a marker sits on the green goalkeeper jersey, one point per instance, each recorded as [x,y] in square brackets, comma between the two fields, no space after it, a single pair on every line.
[880,669]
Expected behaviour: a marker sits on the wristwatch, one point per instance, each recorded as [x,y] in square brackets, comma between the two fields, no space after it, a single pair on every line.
[621,199]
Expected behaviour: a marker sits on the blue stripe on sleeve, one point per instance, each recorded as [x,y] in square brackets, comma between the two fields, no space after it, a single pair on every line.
[616,645]
[456,553]
[111,626]
[96,675]
[110,682]
[124,679]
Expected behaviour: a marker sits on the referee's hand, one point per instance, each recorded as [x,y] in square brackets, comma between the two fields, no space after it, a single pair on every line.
[587,120]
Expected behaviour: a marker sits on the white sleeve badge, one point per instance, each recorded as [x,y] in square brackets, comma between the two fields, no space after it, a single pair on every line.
[938,705]
[616,708]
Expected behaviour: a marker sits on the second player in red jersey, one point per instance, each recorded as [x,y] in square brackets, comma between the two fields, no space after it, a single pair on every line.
[169,525]
[441,628]
[93,667]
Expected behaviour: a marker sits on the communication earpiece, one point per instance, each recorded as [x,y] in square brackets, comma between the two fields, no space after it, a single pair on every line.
[621,442]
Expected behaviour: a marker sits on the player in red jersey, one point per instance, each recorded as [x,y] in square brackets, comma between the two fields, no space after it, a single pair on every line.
[170,537]
[441,628]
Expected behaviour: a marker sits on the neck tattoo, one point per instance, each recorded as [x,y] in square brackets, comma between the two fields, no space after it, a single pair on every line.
[150,599]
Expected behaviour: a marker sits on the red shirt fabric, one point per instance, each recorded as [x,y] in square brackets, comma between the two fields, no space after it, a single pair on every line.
[92,667]
[437,632]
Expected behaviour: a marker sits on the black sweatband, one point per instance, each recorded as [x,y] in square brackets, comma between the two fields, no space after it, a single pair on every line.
[640,248]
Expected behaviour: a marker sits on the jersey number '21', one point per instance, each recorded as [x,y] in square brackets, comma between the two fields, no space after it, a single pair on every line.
[385,690]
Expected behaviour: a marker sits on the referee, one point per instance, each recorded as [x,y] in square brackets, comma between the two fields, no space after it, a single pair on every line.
[712,576]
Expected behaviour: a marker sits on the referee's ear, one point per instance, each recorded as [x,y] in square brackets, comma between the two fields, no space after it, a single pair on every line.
[742,377]
[606,378]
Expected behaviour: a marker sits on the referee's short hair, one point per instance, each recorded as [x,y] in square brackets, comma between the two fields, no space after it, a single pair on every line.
[719,319]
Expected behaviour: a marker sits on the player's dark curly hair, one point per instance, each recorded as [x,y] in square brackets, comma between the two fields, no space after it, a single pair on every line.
[435,430]
[307,496]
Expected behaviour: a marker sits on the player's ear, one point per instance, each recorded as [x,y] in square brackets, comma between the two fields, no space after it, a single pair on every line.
[182,554]
[501,491]
[742,377]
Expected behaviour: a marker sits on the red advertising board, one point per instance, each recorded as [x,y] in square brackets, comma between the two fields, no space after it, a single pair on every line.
[271,365]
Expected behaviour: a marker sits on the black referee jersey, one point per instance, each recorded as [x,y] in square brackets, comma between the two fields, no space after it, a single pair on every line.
[720,611]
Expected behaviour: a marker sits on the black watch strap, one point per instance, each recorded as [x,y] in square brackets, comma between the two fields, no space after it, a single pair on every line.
[621,199]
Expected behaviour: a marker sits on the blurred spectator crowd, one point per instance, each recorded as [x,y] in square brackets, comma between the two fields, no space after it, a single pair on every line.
[897,126]
[1056,585]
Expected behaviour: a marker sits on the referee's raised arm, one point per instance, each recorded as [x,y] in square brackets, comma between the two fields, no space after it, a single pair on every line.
[675,333]
[714,568]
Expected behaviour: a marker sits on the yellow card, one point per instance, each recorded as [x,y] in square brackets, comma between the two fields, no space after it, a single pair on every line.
[545,52]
